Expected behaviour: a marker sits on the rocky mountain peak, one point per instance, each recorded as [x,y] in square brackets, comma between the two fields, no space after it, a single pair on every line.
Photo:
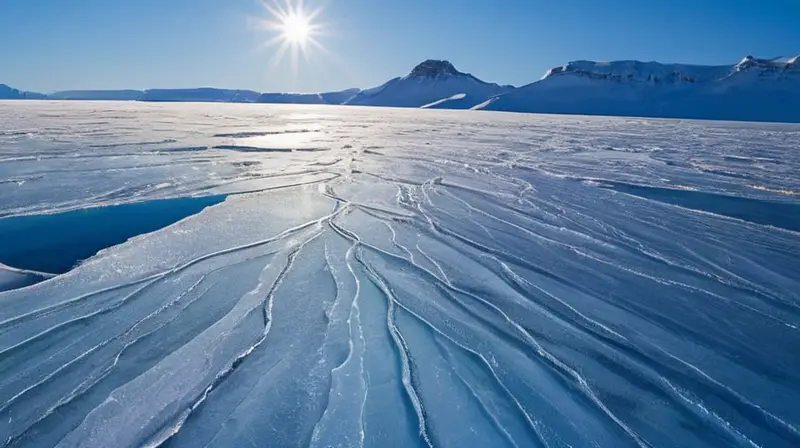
[432,68]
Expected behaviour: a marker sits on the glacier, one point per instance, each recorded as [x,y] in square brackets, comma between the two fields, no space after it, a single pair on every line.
[350,276]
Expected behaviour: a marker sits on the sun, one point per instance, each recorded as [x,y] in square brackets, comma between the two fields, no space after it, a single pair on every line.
[294,27]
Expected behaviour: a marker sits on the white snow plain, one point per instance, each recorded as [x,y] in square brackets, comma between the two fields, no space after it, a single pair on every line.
[395,278]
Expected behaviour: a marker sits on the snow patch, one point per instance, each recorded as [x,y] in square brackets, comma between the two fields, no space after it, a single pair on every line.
[458,96]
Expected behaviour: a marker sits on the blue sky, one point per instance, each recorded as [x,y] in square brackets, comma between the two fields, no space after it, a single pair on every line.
[48,45]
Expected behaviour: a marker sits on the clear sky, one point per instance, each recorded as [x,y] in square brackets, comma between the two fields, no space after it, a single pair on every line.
[49,45]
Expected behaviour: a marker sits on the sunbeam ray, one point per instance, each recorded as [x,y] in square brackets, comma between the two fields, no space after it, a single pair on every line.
[296,31]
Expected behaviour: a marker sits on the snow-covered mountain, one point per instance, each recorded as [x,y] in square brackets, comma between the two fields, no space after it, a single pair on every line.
[203,94]
[97,95]
[308,98]
[10,93]
[752,90]
[431,83]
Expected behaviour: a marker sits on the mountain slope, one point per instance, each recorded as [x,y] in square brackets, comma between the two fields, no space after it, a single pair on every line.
[9,93]
[203,94]
[752,90]
[340,97]
[430,82]
[291,98]
[308,98]
[97,95]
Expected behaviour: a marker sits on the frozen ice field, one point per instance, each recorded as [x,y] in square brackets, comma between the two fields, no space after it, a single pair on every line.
[279,276]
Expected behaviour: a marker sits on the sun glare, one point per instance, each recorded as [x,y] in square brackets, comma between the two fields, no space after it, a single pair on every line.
[295,29]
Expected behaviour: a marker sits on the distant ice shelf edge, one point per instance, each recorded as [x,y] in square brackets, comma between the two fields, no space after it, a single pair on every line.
[753,89]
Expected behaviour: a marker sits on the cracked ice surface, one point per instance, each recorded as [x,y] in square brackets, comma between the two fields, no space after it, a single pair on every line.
[381,277]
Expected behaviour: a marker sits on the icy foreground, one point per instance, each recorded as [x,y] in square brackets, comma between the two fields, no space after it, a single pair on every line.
[404,278]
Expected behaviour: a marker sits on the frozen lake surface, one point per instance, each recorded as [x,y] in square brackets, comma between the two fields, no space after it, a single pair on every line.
[278,276]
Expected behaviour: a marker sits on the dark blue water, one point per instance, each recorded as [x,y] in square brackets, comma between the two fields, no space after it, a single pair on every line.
[55,243]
